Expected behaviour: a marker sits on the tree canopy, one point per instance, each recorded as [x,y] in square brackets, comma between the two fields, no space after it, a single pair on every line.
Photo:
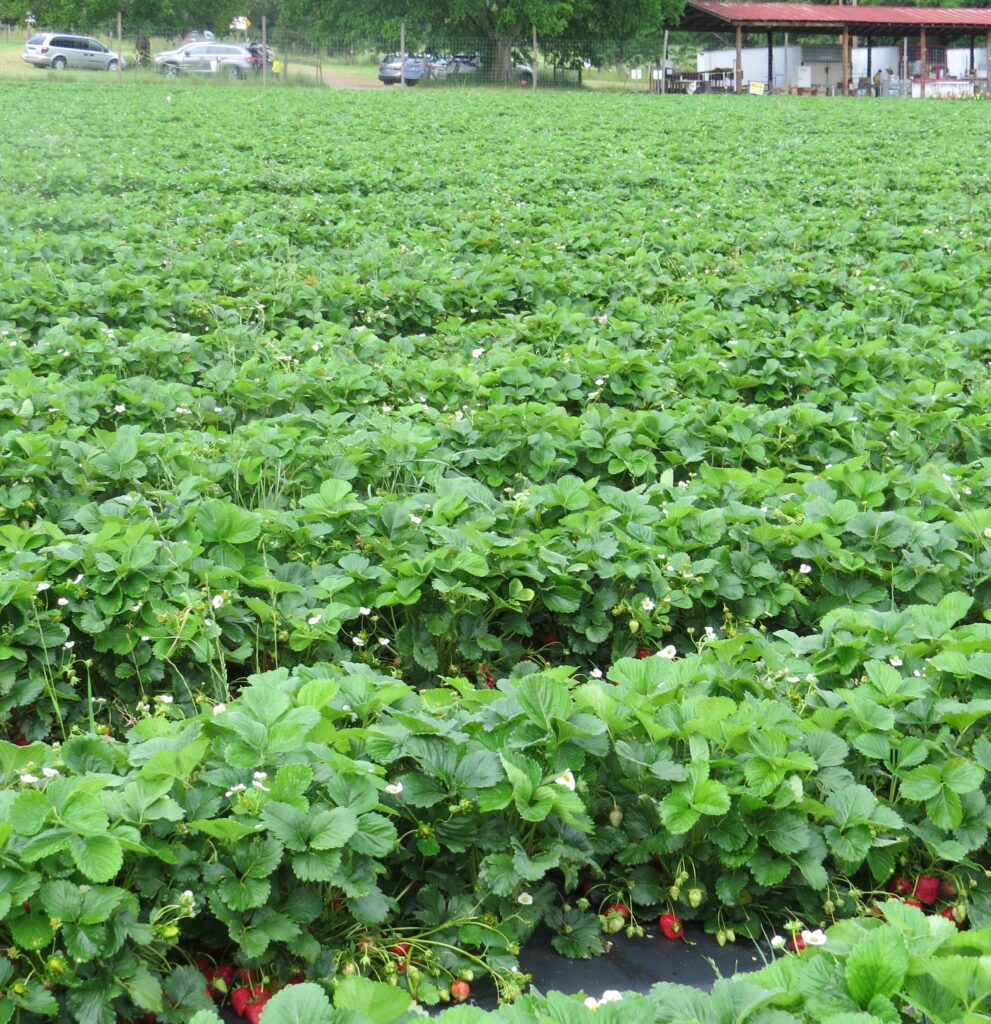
[489,19]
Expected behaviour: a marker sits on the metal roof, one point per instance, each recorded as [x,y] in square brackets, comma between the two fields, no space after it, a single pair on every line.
[709,15]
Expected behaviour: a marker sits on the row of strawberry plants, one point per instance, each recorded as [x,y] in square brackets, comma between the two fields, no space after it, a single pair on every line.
[327,815]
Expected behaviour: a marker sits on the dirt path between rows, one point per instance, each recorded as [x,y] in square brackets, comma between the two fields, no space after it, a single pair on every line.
[343,80]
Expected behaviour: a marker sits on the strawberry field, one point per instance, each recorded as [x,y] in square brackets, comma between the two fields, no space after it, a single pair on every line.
[427,518]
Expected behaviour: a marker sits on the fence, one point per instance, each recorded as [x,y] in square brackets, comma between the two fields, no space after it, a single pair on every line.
[679,63]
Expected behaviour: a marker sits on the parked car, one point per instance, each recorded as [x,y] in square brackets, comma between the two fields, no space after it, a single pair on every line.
[390,70]
[472,63]
[437,67]
[464,64]
[60,50]
[232,59]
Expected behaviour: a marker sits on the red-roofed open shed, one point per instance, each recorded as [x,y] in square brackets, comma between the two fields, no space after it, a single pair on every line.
[925,23]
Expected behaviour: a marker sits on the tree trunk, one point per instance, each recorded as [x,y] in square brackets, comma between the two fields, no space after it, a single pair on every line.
[502,66]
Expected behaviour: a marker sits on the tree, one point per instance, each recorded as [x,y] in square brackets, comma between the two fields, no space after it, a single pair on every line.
[500,22]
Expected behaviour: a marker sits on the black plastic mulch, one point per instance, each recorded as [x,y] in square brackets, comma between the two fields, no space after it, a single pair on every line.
[632,965]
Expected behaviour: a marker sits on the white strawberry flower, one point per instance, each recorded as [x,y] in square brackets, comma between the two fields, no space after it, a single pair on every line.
[394,788]
[28,779]
[814,938]
[313,620]
[525,899]
[216,601]
[670,652]
[805,569]
[647,604]
[566,779]
[596,673]
[778,942]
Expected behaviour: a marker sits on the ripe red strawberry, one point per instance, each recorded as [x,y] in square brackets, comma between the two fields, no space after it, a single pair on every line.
[797,942]
[643,652]
[247,975]
[400,949]
[253,1011]
[901,886]
[240,998]
[460,990]
[619,908]
[927,889]
[551,638]
[913,903]
[671,925]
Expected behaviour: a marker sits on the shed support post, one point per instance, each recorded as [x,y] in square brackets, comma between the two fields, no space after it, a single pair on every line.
[739,57]
[845,46]
[770,63]
[987,60]
[923,62]
[870,76]
[971,66]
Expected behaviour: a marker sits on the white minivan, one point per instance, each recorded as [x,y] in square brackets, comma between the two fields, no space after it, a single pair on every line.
[60,50]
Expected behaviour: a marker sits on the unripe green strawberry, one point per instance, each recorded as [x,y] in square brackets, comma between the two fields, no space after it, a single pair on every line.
[634,626]
[960,912]
[721,937]
[730,935]
[674,891]
[616,817]
[694,897]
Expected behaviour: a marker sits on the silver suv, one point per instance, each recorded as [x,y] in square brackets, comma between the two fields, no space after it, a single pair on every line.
[60,50]
[205,59]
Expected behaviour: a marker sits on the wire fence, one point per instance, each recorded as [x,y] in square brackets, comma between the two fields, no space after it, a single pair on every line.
[677,64]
